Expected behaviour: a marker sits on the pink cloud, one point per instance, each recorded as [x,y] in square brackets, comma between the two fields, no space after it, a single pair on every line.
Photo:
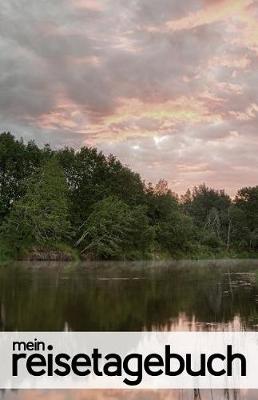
[169,87]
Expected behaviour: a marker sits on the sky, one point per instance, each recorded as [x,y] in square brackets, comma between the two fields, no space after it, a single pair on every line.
[170,87]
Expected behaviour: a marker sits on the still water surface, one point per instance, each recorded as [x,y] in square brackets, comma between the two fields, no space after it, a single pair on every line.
[211,296]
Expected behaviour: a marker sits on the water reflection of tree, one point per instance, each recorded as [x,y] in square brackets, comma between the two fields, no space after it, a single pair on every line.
[124,298]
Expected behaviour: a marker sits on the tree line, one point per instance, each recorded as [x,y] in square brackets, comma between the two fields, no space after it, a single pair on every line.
[87,204]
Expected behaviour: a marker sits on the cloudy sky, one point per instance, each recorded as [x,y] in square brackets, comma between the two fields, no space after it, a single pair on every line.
[169,86]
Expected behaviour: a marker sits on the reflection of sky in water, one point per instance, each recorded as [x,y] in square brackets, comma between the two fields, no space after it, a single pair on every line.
[132,395]
[184,323]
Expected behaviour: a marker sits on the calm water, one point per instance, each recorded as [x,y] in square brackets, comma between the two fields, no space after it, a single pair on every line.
[129,297]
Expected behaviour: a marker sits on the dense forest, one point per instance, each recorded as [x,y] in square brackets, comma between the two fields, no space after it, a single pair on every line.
[62,204]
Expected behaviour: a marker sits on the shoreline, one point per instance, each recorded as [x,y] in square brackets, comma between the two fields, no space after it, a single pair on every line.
[58,257]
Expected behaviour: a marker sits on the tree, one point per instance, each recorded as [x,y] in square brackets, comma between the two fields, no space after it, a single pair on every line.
[246,202]
[204,199]
[173,229]
[143,235]
[93,177]
[41,217]
[17,162]
[123,183]
[238,234]
[114,231]
[209,209]
[176,234]
[161,202]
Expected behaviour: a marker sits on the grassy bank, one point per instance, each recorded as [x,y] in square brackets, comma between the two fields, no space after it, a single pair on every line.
[65,253]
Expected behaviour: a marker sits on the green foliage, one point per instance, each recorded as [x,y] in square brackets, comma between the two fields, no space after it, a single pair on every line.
[17,162]
[113,230]
[143,234]
[41,216]
[211,240]
[92,177]
[85,200]
[176,234]
[209,210]
[202,201]
[161,202]
[86,175]
[247,201]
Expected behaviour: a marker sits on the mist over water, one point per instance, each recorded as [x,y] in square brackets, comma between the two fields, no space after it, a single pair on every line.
[174,296]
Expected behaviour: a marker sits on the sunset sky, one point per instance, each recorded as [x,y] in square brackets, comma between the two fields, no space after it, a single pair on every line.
[169,86]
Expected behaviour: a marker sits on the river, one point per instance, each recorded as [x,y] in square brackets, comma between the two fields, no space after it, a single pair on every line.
[122,296]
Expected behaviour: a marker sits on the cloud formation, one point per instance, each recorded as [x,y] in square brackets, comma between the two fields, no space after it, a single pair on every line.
[169,87]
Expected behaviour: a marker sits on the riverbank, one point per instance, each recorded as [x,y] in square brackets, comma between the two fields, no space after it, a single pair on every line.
[65,253]
[60,252]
